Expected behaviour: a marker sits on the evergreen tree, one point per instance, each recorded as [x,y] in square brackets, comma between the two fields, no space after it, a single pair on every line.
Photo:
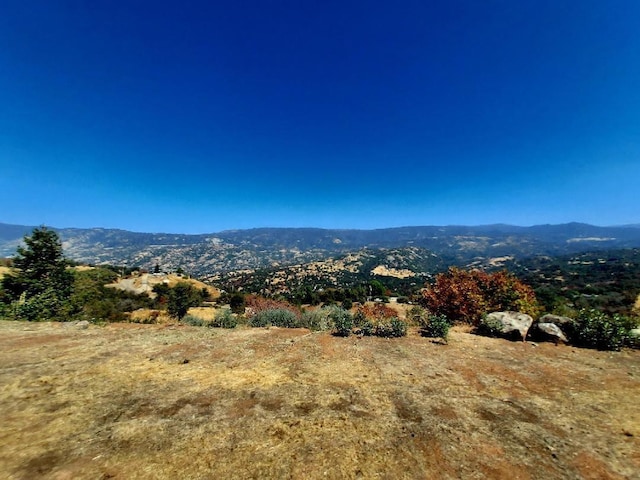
[181,297]
[41,285]
[237,303]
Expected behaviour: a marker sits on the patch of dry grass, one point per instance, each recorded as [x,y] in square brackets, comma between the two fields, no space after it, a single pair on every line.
[4,271]
[148,401]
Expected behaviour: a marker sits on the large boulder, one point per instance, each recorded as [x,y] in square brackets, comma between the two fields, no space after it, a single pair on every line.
[548,332]
[508,324]
[566,325]
[558,320]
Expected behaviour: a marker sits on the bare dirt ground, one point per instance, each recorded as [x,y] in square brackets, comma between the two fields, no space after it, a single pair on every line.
[130,401]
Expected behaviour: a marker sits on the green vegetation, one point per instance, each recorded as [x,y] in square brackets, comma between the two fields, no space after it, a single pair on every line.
[224,319]
[379,320]
[194,321]
[390,328]
[92,300]
[44,286]
[608,281]
[595,329]
[237,303]
[41,286]
[436,326]
[342,321]
[316,320]
[489,327]
[181,298]
[276,317]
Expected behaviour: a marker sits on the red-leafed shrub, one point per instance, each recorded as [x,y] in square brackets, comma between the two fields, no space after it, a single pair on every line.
[378,311]
[464,296]
[256,304]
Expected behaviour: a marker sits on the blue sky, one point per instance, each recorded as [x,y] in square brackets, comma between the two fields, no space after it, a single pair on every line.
[203,116]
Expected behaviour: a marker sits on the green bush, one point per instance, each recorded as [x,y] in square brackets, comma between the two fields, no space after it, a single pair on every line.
[237,303]
[224,319]
[489,327]
[5,310]
[317,319]
[359,319]
[436,326]
[347,304]
[276,317]
[342,321]
[595,329]
[193,321]
[367,328]
[391,328]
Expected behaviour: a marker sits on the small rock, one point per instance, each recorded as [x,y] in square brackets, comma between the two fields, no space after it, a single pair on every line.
[185,361]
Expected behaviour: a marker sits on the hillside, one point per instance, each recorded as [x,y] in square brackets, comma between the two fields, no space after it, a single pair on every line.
[146,401]
[608,280]
[227,251]
[144,283]
[396,267]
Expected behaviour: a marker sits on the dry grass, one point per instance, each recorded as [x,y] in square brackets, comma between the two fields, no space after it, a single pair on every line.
[4,271]
[144,283]
[134,401]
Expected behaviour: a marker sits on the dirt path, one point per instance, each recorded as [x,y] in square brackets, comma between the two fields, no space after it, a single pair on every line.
[145,401]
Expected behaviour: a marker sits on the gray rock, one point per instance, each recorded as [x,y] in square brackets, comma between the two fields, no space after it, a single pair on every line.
[549,331]
[558,320]
[507,323]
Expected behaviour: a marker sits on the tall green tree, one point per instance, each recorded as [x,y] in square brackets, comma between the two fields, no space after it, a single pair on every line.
[41,285]
[181,297]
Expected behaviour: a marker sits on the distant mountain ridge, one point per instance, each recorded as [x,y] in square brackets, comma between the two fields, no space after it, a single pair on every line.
[233,250]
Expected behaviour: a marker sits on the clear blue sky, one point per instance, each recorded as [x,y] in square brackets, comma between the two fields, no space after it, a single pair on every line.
[202,116]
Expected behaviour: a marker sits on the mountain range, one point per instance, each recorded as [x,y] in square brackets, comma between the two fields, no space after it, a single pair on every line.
[208,255]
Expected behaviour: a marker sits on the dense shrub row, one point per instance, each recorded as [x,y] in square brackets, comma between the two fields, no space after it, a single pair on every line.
[372,321]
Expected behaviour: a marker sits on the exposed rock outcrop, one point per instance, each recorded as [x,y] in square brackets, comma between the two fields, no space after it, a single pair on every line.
[548,332]
[509,324]
[558,320]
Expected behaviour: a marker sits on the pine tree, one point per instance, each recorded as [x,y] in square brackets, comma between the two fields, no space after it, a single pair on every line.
[41,285]
[181,297]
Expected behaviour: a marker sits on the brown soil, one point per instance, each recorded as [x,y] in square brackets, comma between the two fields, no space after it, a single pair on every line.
[131,401]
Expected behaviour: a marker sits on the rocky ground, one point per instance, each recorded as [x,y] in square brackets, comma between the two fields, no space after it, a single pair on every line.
[131,401]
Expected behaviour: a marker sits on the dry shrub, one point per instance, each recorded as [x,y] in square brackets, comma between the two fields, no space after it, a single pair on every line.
[148,316]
